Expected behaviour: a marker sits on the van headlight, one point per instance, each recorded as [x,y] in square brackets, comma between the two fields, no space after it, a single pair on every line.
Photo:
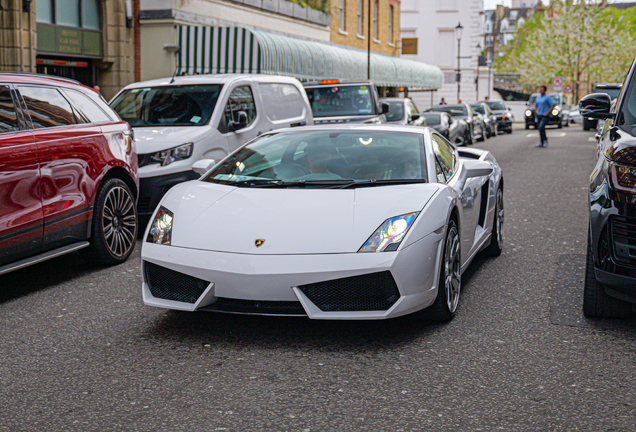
[555,112]
[166,157]
[161,228]
[528,113]
[390,234]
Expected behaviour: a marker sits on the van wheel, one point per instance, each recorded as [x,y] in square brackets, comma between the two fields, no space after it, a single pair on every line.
[114,226]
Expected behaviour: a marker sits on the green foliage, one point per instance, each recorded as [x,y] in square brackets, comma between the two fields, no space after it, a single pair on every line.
[321,5]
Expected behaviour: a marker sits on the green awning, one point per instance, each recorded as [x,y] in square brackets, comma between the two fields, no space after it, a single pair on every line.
[207,49]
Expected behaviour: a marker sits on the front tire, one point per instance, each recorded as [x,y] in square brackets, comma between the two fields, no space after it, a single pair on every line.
[450,278]
[597,304]
[114,225]
[496,236]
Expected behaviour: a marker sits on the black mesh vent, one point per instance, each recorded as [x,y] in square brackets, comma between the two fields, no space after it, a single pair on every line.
[370,292]
[143,205]
[624,240]
[171,285]
[256,307]
[143,160]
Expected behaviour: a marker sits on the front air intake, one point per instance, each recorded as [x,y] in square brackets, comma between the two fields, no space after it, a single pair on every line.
[171,285]
[370,292]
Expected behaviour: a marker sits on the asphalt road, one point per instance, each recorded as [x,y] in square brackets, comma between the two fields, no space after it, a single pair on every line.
[79,351]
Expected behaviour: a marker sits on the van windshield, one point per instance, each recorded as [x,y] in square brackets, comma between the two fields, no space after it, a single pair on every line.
[190,105]
[341,100]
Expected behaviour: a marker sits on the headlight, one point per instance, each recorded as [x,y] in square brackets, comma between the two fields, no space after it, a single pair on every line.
[528,113]
[390,234]
[623,177]
[166,157]
[161,228]
[555,112]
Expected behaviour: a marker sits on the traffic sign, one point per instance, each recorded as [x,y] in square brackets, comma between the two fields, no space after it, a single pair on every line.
[568,89]
[557,84]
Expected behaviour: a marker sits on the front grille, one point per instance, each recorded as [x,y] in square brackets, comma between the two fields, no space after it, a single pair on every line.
[623,234]
[256,307]
[370,292]
[171,285]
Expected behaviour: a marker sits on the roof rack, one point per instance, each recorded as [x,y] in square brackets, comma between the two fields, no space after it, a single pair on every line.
[42,76]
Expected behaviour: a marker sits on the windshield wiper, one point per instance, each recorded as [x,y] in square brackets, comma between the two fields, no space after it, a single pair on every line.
[372,182]
[282,183]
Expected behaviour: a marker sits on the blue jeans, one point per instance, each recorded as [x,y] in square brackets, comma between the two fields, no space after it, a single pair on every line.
[541,124]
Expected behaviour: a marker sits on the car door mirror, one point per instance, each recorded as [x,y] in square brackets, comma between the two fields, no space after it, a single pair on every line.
[203,165]
[384,107]
[477,168]
[596,105]
[240,121]
[415,117]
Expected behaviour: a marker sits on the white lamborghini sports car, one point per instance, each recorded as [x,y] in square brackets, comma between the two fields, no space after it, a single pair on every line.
[329,222]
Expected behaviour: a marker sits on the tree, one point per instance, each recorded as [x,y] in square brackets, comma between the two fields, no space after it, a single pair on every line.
[582,41]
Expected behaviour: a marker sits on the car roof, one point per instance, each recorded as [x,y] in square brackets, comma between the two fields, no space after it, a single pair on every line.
[610,85]
[341,82]
[33,78]
[394,99]
[352,127]
[210,79]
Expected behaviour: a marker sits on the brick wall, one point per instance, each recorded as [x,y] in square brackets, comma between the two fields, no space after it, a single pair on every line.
[350,36]
[17,37]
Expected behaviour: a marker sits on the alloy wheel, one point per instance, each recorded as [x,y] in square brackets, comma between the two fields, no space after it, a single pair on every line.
[119,221]
[452,270]
[500,218]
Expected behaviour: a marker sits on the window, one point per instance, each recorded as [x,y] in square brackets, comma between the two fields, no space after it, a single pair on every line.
[282,101]
[241,99]
[375,19]
[90,14]
[72,13]
[391,24]
[342,15]
[44,11]
[446,48]
[342,100]
[47,107]
[445,156]
[67,12]
[89,111]
[8,115]
[360,17]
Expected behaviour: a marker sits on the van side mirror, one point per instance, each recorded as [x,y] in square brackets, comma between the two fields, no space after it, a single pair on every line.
[596,105]
[203,165]
[240,121]
[385,108]
[415,116]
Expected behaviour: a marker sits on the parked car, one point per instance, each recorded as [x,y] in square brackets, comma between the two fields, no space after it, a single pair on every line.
[555,117]
[474,129]
[402,111]
[574,116]
[447,127]
[335,101]
[179,121]
[488,117]
[68,173]
[411,213]
[610,279]
[610,89]
[505,119]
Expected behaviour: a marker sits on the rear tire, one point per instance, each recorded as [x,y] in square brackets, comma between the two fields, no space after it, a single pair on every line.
[597,304]
[496,236]
[115,224]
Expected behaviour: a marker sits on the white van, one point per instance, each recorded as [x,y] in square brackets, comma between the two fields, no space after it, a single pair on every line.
[178,121]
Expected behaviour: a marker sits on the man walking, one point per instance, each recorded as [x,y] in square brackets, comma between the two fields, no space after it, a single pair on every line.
[544,105]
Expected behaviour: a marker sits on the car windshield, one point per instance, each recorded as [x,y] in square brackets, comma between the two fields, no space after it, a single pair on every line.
[432,119]
[453,110]
[396,111]
[497,105]
[612,92]
[341,100]
[479,108]
[325,159]
[190,105]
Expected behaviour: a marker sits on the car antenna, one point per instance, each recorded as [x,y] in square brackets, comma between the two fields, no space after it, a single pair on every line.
[177,50]
[173,75]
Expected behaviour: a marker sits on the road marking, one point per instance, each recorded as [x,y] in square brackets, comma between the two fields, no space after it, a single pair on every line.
[549,134]
[592,139]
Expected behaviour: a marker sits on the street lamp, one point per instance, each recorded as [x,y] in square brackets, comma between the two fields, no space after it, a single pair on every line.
[477,77]
[458,33]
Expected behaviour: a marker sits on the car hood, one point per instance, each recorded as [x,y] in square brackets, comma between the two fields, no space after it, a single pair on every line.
[154,139]
[223,218]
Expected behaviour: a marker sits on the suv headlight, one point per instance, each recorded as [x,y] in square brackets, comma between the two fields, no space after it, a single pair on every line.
[390,234]
[555,112]
[528,113]
[622,177]
[166,157]
[161,228]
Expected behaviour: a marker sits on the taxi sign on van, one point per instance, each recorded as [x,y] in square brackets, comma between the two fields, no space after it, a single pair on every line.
[330,81]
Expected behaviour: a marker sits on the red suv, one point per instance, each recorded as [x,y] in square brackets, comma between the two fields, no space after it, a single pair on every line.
[68,173]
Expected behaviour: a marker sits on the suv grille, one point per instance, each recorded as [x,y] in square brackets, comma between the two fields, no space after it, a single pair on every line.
[370,292]
[623,234]
[171,285]
[256,307]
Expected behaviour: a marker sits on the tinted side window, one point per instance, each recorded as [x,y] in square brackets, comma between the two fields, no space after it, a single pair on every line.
[8,116]
[47,107]
[445,155]
[282,101]
[87,107]
[241,99]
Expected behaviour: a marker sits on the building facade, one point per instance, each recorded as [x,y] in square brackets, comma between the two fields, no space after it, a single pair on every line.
[91,41]
[429,33]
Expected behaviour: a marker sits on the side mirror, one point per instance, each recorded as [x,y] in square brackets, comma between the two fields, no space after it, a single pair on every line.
[415,116]
[203,165]
[596,105]
[477,168]
[385,108]
[240,122]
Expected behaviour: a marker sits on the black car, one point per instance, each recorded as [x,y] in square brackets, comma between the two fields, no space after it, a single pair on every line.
[555,117]
[443,123]
[335,101]
[504,116]
[612,90]
[610,280]
[402,111]
[490,119]
[464,113]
